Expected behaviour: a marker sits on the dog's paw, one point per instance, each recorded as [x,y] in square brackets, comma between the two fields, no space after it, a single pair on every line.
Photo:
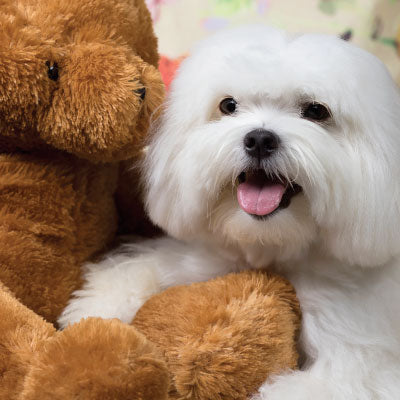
[115,288]
[97,359]
[295,386]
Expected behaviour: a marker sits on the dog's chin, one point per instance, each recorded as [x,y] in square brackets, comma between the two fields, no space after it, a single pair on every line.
[262,196]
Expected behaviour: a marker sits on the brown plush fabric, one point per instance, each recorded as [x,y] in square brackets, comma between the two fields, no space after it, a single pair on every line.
[56,211]
[21,332]
[71,110]
[97,360]
[223,338]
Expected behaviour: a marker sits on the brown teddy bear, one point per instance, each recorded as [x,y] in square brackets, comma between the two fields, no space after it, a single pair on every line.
[78,83]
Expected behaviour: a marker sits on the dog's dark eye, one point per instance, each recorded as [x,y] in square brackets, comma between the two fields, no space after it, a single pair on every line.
[52,70]
[228,105]
[315,112]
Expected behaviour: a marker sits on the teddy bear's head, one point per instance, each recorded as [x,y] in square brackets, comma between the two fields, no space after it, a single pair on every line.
[78,76]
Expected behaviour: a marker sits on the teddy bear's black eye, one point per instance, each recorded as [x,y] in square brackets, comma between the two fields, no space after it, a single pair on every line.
[141,92]
[315,112]
[228,105]
[52,71]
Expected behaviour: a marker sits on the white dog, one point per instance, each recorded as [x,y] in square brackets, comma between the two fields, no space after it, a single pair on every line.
[284,150]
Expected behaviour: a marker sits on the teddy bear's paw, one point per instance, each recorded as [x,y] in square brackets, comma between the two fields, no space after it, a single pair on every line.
[223,338]
[97,359]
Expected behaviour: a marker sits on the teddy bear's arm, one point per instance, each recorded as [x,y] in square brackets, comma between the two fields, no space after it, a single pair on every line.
[222,338]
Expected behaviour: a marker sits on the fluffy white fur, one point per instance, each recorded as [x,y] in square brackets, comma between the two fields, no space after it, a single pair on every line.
[339,240]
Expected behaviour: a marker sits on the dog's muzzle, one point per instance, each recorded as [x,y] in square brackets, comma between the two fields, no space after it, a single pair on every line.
[259,194]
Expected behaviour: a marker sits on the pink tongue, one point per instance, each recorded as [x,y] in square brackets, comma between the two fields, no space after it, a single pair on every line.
[258,199]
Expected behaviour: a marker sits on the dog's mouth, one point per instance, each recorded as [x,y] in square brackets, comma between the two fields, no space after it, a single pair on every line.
[261,195]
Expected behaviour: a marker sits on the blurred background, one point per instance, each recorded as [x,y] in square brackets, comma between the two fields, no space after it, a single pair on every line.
[371,24]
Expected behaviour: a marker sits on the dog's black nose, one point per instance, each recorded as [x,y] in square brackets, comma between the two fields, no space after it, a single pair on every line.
[261,143]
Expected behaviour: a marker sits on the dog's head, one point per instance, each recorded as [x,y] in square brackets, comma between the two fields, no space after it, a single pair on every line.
[280,140]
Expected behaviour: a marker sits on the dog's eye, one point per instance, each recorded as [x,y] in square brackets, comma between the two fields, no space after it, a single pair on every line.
[228,106]
[52,70]
[315,112]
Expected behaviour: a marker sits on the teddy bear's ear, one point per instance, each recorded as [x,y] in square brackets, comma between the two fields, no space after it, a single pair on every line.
[102,105]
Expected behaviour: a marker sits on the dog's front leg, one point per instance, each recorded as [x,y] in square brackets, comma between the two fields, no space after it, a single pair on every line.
[118,286]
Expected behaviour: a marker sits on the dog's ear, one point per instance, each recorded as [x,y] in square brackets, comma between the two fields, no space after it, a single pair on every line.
[174,199]
[365,230]
[171,201]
